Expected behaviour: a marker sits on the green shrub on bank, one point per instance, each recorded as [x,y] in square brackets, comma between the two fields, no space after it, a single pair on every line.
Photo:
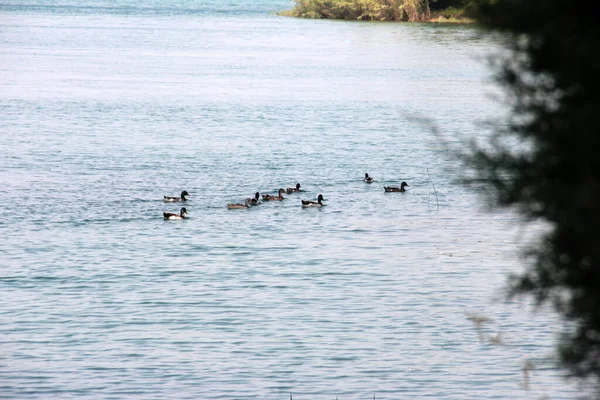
[452,12]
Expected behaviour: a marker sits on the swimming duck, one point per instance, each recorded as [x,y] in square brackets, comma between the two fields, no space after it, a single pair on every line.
[175,215]
[318,203]
[293,190]
[369,179]
[268,197]
[170,199]
[395,189]
[255,201]
[238,206]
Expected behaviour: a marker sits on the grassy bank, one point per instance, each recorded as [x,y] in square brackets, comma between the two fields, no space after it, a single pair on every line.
[374,10]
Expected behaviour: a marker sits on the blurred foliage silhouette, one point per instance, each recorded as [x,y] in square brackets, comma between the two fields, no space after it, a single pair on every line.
[551,74]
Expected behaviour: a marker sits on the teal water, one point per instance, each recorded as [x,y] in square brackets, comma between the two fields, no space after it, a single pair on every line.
[107,106]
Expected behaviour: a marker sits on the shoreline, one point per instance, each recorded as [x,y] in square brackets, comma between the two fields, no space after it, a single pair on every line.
[449,15]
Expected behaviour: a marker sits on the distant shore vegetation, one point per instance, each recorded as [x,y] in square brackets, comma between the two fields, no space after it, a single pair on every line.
[445,11]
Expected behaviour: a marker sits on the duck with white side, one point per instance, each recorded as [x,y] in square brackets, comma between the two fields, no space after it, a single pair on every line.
[254,201]
[173,199]
[181,214]
[318,203]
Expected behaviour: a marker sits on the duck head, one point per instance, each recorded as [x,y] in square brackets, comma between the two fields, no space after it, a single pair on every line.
[297,186]
[257,196]
[320,199]
[183,211]
[281,192]
[403,184]
[183,194]
[366,176]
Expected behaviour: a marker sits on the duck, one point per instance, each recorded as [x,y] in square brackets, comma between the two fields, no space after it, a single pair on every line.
[293,190]
[396,189]
[169,199]
[238,206]
[368,179]
[318,203]
[268,197]
[175,215]
[254,201]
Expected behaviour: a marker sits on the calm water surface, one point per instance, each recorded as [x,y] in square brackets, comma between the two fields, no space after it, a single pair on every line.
[107,106]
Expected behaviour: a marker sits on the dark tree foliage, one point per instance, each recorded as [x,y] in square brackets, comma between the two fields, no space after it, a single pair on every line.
[552,77]
[441,4]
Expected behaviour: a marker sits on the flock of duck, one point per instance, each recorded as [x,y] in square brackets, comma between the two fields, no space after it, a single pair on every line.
[254,201]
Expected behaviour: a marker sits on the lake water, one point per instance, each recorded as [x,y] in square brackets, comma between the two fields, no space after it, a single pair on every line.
[106,106]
